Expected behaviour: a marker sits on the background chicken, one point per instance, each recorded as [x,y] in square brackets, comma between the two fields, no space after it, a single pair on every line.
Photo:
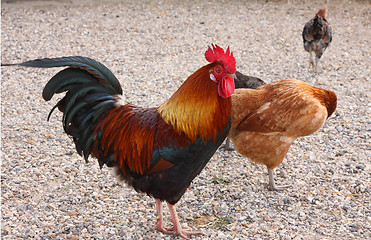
[157,150]
[317,36]
[266,121]
[243,81]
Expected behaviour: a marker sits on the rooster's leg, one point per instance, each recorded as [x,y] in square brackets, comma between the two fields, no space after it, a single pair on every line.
[272,186]
[160,226]
[182,232]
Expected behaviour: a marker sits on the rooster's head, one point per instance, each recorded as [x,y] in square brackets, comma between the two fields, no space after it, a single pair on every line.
[223,70]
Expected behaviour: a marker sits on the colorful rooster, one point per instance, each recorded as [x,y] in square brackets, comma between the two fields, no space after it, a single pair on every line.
[159,150]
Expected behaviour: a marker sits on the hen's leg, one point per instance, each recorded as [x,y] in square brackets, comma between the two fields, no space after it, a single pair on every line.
[311,60]
[318,56]
[182,232]
[316,65]
[272,186]
[227,146]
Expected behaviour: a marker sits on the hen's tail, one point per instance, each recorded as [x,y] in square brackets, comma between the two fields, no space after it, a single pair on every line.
[91,91]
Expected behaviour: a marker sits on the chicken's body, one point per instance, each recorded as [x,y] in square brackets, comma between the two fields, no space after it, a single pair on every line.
[243,81]
[158,151]
[317,36]
[266,121]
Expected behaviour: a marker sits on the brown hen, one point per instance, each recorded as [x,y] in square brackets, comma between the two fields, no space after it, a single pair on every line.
[266,120]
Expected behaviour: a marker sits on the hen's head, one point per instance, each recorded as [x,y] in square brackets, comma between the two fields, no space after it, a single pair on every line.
[222,72]
[322,13]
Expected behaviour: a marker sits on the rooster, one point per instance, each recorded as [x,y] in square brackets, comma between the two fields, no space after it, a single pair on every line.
[243,81]
[267,120]
[158,150]
[317,36]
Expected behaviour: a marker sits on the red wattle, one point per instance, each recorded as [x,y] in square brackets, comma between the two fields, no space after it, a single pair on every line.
[226,87]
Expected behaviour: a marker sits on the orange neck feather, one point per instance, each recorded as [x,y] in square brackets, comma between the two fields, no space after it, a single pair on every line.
[196,109]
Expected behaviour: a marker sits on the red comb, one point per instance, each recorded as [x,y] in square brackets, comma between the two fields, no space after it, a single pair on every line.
[322,12]
[217,53]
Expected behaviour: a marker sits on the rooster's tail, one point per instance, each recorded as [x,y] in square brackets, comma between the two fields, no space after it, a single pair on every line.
[91,91]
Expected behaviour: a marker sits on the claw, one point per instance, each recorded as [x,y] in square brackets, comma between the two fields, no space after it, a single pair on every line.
[186,233]
[182,232]
[177,229]
[160,227]
[278,188]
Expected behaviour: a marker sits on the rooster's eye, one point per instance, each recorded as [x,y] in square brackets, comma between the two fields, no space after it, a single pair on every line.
[218,70]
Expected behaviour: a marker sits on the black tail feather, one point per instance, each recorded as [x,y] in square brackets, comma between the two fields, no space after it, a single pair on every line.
[91,92]
[93,67]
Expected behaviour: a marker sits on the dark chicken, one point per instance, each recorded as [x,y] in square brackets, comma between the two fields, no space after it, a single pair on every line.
[267,120]
[317,36]
[158,150]
[244,81]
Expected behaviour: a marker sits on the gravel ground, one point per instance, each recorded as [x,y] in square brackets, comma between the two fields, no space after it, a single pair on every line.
[47,190]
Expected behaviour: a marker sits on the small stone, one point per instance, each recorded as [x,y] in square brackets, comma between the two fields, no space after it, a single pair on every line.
[359,166]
